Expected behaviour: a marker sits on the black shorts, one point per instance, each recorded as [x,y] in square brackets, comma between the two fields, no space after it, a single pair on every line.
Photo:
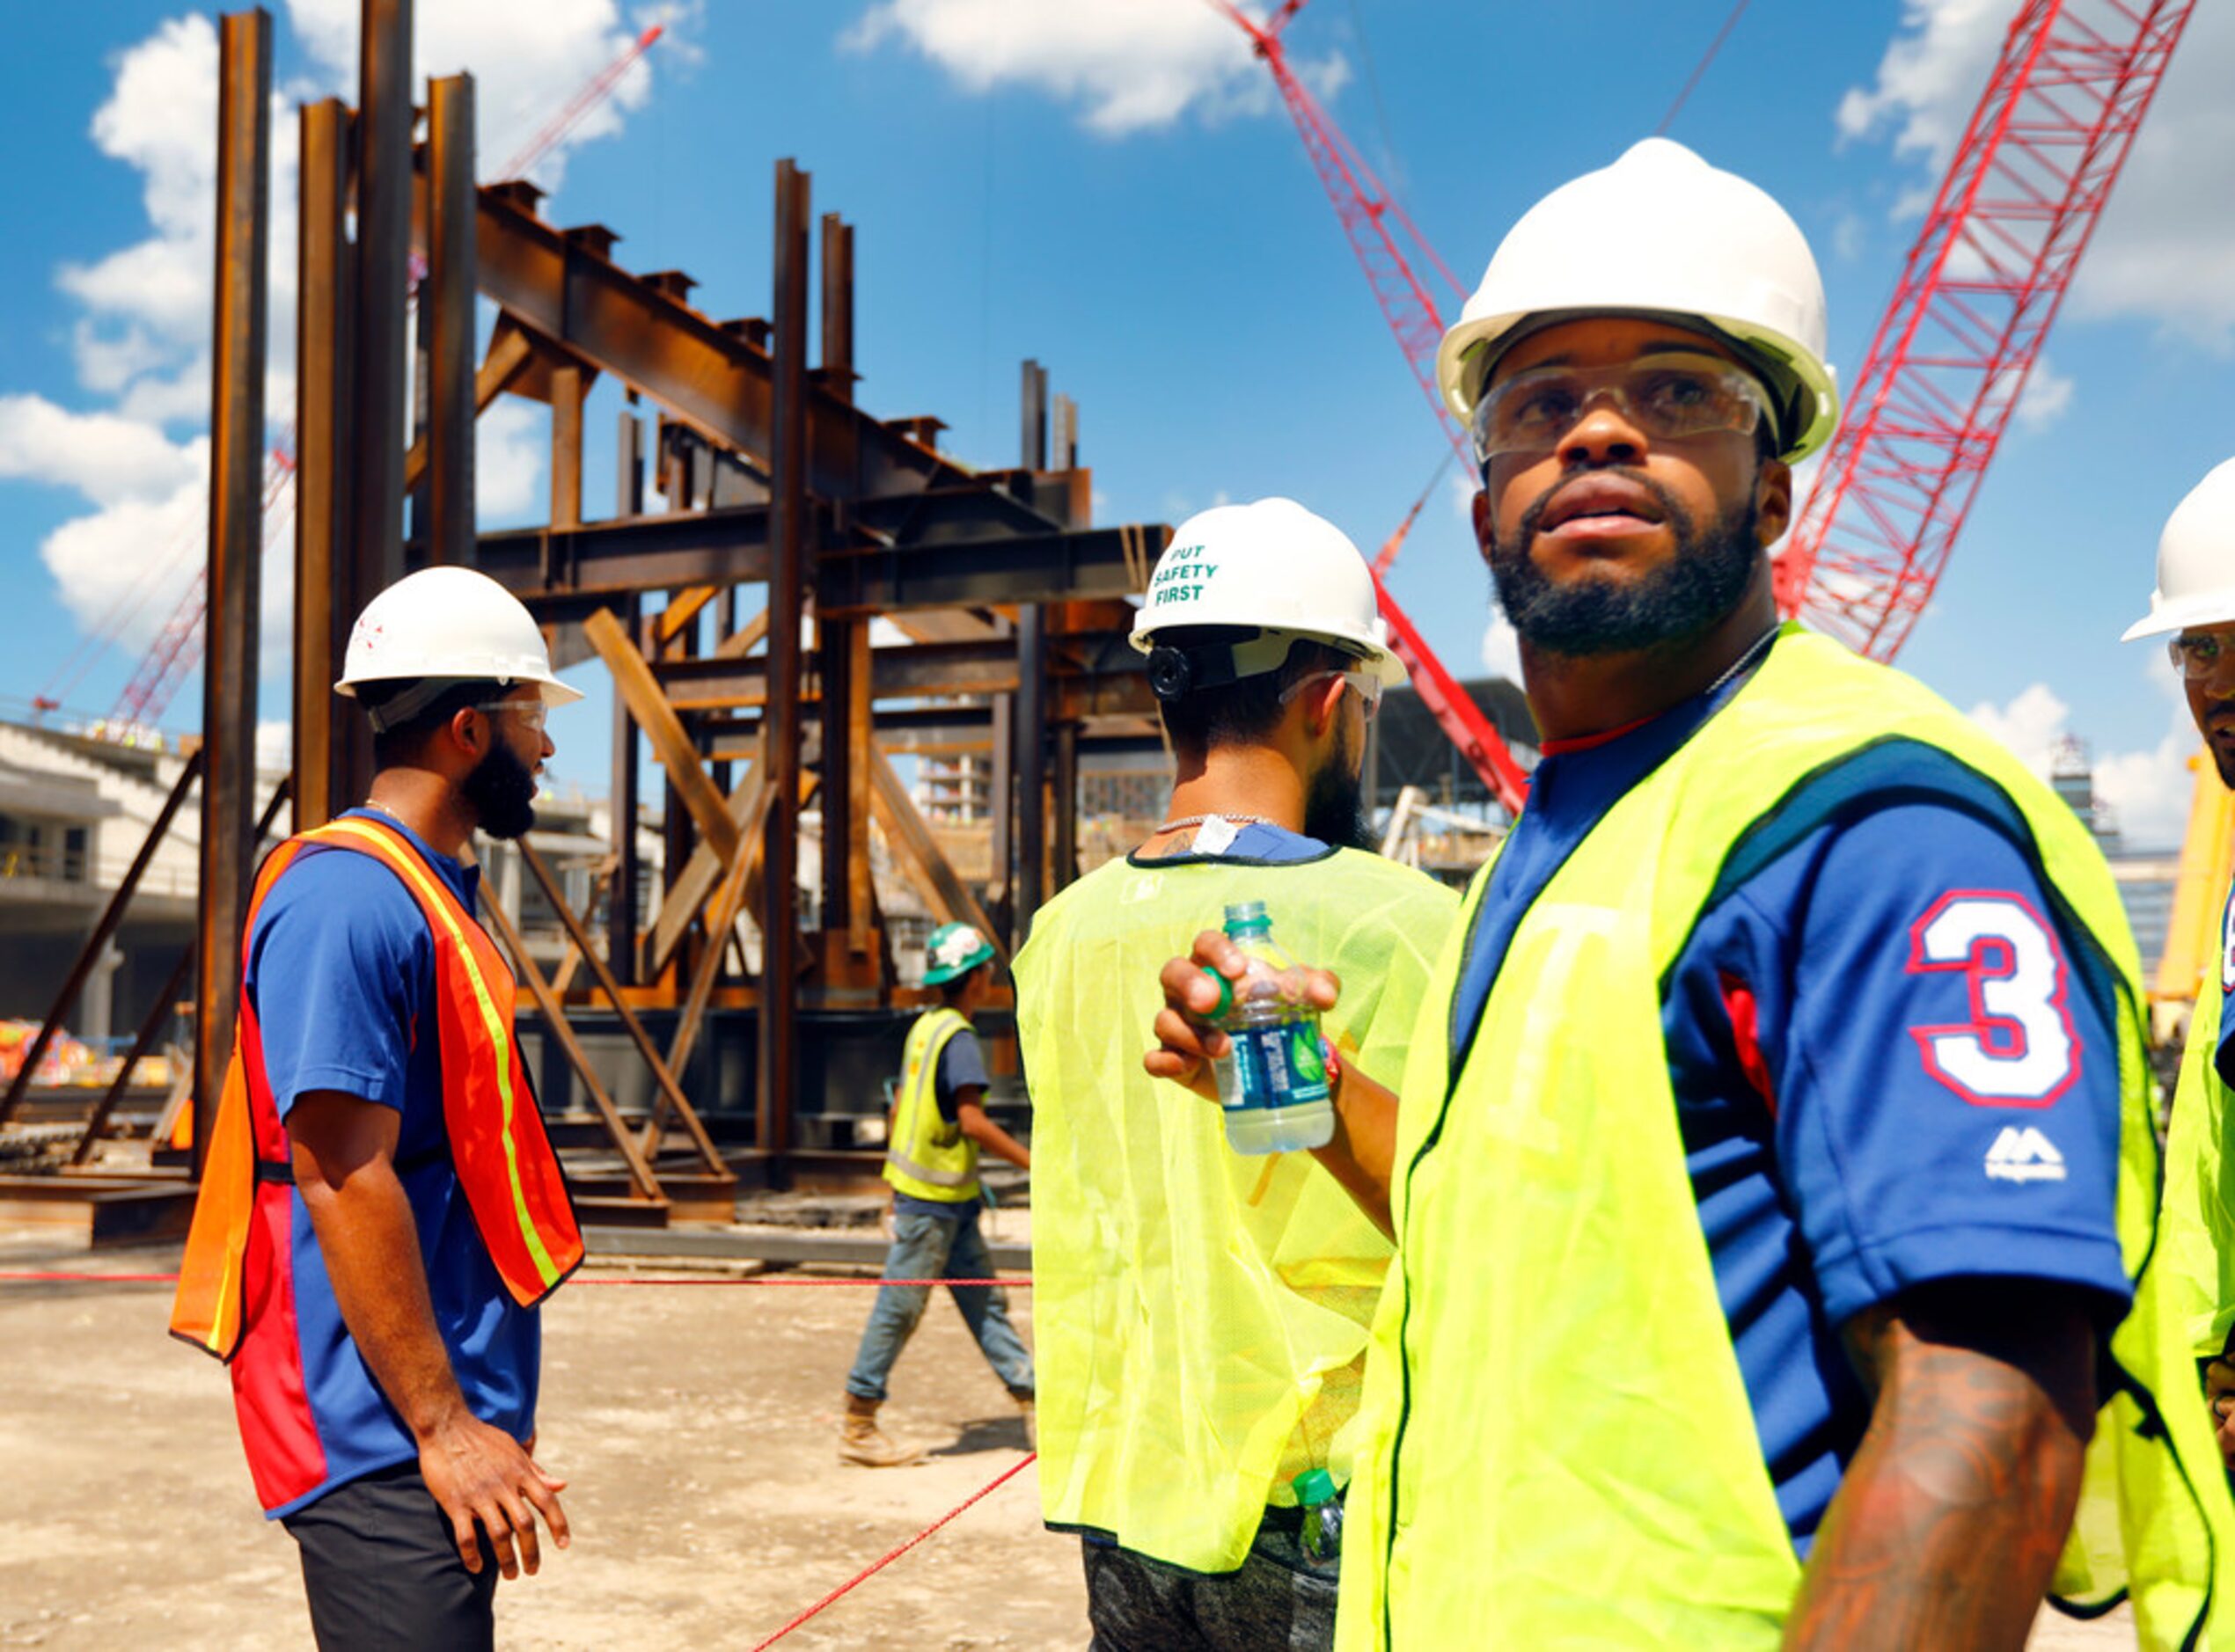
[383,1572]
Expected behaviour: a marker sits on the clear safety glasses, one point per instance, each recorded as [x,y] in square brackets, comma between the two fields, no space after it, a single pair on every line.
[1365,684]
[2197,655]
[533,713]
[1666,397]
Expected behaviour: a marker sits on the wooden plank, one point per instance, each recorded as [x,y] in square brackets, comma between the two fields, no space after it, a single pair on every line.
[508,353]
[744,640]
[684,607]
[911,842]
[700,873]
[633,680]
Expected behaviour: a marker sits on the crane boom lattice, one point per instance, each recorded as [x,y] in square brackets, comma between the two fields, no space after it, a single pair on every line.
[1976,297]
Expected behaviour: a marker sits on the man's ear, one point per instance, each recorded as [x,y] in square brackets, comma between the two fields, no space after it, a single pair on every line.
[1480,510]
[1772,501]
[468,730]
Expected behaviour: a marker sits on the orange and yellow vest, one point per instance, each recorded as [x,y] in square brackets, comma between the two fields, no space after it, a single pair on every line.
[497,1142]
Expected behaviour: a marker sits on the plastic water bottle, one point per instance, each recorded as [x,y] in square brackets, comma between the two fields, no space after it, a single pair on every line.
[1273,1081]
[1322,1533]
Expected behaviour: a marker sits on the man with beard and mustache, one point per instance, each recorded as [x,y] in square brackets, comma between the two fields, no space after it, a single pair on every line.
[382,1212]
[1774,1180]
[1199,1316]
[2193,609]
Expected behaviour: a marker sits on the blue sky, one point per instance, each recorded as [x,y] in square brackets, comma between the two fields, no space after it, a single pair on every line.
[1109,186]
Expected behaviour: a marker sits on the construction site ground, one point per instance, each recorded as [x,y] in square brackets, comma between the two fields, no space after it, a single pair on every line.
[697,1426]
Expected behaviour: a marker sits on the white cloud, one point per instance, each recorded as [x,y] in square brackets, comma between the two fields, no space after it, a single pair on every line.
[2165,252]
[509,445]
[274,745]
[2047,397]
[2147,788]
[1501,648]
[1134,64]
[105,457]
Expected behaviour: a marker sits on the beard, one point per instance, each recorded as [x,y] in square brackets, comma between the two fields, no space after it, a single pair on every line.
[1697,589]
[502,791]
[1335,801]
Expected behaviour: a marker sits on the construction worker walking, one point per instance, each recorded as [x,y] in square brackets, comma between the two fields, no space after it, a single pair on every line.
[1773,1186]
[382,1211]
[2193,609]
[938,1126]
[1202,1315]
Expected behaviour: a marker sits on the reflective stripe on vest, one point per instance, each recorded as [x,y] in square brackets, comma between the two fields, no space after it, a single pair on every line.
[1513,1492]
[926,1157]
[497,1142]
[2199,1240]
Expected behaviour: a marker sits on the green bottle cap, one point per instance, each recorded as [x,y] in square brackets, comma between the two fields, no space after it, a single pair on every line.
[1244,915]
[1314,1486]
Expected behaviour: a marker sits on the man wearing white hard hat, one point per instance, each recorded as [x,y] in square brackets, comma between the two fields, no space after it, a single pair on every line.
[1200,1316]
[382,1212]
[2193,609]
[1775,1158]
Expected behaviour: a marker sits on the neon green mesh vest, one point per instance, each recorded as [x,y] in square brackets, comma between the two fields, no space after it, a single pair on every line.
[925,1156]
[1561,1451]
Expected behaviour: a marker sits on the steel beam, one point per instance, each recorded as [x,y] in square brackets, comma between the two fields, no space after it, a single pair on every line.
[236,544]
[447,301]
[569,385]
[791,446]
[375,547]
[322,353]
[719,381]
[1031,767]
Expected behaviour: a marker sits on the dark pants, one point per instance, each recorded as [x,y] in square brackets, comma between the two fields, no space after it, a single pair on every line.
[382,1571]
[1277,1601]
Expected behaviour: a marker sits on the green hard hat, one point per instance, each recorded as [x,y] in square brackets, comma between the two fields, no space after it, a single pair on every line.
[954,950]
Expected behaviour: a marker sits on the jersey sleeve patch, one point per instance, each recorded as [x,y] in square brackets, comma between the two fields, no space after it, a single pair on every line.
[2019,1048]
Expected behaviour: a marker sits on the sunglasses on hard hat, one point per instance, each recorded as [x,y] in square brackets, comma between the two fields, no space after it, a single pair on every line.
[533,713]
[2197,655]
[1664,396]
[1365,684]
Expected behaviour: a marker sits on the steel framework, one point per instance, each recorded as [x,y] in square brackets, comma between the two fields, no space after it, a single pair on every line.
[1982,286]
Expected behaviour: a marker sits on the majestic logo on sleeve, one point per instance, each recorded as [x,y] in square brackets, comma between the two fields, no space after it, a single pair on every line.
[2018,1048]
[2022,1154]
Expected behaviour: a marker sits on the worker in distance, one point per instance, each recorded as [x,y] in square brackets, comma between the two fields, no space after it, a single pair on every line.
[1772,1186]
[2193,609]
[382,1213]
[1201,1316]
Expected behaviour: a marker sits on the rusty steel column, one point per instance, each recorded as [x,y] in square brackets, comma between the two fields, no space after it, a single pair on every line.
[236,546]
[620,907]
[375,547]
[777,1030]
[447,298]
[321,471]
[1065,869]
[844,652]
[1031,727]
[569,385]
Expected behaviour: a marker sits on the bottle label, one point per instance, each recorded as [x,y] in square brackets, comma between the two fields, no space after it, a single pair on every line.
[1278,1066]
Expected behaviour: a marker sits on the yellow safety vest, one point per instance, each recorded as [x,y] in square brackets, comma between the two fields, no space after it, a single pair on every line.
[926,1157]
[2199,1239]
[1562,1451]
[1200,1316]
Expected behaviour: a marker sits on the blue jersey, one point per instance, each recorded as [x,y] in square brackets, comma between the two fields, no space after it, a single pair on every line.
[2223,1057]
[342,974]
[1887,1073]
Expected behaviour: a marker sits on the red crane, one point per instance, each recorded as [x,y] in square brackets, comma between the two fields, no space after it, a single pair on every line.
[1976,299]
[1381,232]
[177,650]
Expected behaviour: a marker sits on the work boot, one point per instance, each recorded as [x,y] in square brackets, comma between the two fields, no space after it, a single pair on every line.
[861,1440]
[1031,1422]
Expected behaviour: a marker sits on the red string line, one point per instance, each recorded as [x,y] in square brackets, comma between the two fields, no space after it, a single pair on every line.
[863,1576]
[1022,1282]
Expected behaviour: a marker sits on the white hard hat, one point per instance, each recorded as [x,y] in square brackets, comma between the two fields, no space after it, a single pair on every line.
[448,623]
[1274,566]
[2196,560]
[1659,233]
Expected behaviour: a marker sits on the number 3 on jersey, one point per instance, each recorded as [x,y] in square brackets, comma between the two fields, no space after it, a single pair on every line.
[2019,1048]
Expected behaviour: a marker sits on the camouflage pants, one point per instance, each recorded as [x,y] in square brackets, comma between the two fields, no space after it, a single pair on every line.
[1276,1602]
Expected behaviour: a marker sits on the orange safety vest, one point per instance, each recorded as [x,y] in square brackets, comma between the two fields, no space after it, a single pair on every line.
[498,1144]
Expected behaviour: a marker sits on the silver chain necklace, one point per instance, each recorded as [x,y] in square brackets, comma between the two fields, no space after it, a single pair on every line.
[1753,651]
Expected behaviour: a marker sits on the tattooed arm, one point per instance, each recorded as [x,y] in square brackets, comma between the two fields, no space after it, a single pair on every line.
[1946,1529]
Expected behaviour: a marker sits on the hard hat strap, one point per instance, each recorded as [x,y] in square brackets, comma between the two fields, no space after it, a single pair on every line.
[399,709]
[1175,672]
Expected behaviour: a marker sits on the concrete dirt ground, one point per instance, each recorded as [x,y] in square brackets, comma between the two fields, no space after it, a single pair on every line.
[697,1425]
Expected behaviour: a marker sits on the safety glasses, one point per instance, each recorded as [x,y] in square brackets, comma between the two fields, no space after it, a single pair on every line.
[1666,397]
[1365,684]
[2197,655]
[533,713]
